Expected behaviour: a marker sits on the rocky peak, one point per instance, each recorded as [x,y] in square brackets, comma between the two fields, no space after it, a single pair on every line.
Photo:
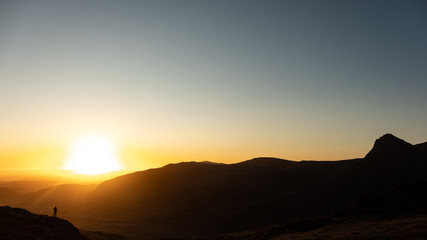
[388,146]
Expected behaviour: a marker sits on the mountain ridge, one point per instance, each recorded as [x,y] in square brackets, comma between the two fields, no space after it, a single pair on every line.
[204,198]
[231,197]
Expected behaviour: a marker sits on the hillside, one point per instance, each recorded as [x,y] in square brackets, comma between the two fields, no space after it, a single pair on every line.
[349,228]
[188,199]
[203,198]
[16,224]
[397,213]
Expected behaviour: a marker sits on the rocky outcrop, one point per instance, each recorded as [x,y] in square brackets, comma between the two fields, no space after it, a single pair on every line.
[19,224]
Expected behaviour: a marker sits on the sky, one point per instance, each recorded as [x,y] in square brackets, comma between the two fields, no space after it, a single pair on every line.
[221,81]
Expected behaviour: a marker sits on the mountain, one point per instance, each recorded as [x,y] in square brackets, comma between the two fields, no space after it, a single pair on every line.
[16,224]
[204,198]
[390,152]
[197,198]
[390,162]
[192,198]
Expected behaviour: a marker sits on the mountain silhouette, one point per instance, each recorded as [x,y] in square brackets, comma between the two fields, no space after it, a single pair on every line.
[391,162]
[16,224]
[194,198]
[391,150]
[204,198]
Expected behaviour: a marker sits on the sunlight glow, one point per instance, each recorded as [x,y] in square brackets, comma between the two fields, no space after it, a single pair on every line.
[93,154]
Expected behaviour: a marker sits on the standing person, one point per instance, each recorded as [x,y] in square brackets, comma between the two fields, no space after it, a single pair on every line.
[54,211]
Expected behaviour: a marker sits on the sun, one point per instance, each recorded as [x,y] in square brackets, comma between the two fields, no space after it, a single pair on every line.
[93,154]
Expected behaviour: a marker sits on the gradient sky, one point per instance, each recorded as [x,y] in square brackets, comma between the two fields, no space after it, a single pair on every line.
[222,81]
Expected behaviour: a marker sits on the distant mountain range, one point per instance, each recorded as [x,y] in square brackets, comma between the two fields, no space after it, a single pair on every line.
[202,198]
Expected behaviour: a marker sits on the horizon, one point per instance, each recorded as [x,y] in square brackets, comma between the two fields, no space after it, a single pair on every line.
[64,176]
[224,81]
[334,199]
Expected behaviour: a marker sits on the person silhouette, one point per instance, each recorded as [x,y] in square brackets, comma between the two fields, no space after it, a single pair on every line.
[55,210]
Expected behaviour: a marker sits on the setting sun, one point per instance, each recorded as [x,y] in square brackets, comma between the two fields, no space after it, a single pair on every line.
[93,154]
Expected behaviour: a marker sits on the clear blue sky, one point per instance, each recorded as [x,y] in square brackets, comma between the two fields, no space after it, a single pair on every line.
[215,80]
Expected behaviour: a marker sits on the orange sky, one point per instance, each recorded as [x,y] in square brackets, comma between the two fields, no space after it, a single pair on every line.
[141,157]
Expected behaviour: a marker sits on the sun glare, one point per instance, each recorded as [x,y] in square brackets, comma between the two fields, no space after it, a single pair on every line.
[93,154]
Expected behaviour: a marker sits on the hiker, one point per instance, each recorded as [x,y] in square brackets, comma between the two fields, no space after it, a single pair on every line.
[54,211]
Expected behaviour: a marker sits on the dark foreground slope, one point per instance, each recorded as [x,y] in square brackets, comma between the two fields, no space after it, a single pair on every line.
[189,199]
[19,224]
[348,228]
[395,214]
